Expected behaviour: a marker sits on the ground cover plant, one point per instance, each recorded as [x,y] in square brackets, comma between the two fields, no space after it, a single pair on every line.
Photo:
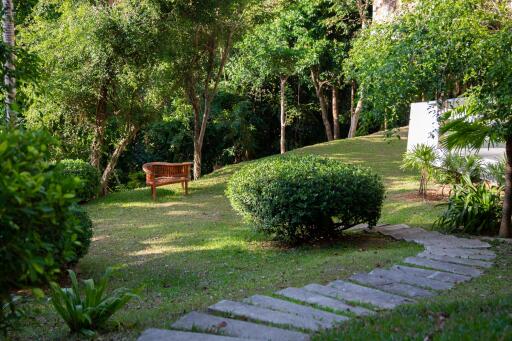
[299,198]
[91,311]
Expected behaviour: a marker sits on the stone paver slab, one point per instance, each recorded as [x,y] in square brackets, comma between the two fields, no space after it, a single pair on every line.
[462,253]
[341,295]
[255,313]
[294,308]
[437,275]
[412,279]
[391,286]
[456,260]
[230,327]
[322,301]
[448,267]
[357,293]
[174,335]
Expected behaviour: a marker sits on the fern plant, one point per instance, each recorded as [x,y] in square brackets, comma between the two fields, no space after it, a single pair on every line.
[86,314]
[422,158]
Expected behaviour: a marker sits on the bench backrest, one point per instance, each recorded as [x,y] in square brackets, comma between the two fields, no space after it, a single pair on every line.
[164,169]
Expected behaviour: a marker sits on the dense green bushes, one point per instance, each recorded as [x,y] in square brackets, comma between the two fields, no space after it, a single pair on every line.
[88,175]
[299,198]
[83,233]
[40,231]
[472,208]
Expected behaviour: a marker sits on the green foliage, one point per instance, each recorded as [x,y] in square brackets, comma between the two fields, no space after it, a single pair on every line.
[295,198]
[88,175]
[84,233]
[496,172]
[435,50]
[422,158]
[88,313]
[39,229]
[454,167]
[472,208]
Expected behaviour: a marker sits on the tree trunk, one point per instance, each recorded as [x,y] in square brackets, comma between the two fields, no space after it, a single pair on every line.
[354,119]
[284,79]
[211,83]
[198,144]
[9,79]
[99,129]
[505,231]
[323,104]
[112,162]
[335,113]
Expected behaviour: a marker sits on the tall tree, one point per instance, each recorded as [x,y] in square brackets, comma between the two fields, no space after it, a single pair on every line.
[104,76]
[437,50]
[269,51]
[201,36]
[9,78]
[362,9]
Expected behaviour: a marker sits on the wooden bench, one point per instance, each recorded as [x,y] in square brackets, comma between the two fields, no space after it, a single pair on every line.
[164,173]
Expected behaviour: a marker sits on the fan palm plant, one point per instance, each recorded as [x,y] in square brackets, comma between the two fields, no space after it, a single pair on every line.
[422,158]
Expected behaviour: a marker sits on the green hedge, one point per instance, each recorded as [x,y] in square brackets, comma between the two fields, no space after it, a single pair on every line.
[39,228]
[88,175]
[83,233]
[299,198]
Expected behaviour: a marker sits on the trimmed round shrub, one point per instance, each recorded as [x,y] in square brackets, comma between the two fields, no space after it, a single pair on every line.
[302,198]
[83,233]
[39,228]
[88,175]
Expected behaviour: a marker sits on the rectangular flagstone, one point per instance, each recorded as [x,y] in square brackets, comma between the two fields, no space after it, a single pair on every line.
[153,334]
[356,293]
[369,294]
[252,312]
[230,327]
[437,275]
[456,260]
[412,279]
[294,308]
[391,286]
[431,237]
[322,301]
[462,253]
[448,267]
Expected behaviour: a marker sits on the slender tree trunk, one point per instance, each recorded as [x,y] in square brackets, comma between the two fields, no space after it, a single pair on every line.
[505,230]
[354,119]
[211,83]
[335,113]
[112,162]
[99,128]
[323,104]
[9,79]
[283,81]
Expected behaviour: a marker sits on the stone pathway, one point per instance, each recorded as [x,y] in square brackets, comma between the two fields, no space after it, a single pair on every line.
[297,313]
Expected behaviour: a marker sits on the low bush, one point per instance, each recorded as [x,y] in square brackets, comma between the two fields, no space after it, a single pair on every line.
[472,208]
[86,314]
[38,224]
[88,175]
[301,198]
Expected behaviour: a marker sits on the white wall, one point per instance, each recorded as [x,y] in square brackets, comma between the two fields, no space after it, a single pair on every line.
[424,129]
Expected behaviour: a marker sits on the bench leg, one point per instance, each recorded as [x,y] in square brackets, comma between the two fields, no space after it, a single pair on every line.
[186,187]
[153,192]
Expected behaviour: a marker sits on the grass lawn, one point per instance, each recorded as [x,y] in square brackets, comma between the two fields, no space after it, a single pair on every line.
[191,251]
